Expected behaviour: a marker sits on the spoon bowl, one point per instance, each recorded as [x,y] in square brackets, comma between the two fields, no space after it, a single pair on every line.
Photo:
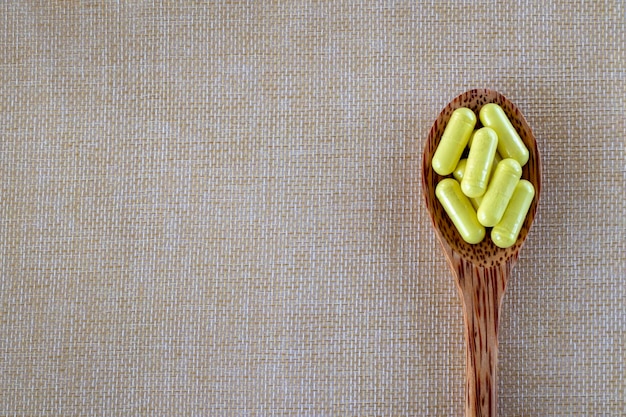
[482,270]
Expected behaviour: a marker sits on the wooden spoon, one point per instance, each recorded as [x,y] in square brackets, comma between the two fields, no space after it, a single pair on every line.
[481,271]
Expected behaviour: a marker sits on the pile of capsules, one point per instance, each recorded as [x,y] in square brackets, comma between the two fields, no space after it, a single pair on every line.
[486,189]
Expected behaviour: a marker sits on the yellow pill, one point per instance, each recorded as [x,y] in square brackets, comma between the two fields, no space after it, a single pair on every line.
[496,160]
[499,192]
[453,141]
[479,162]
[460,210]
[504,234]
[510,145]
[459,171]
[458,175]
[471,139]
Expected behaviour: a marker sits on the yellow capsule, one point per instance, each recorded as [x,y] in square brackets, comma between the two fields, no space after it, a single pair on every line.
[471,139]
[458,175]
[460,210]
[499,192]
[496,160]
[453,141]
[510,145]
[460,168]
[479,162]
[459,171]
[504,234]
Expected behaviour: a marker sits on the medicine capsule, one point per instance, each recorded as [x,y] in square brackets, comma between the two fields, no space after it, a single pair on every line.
[499,192]
[471,139]
[458,175]
[496,160]
[459,171]
[460,210]
[453,141]
[479,162]
[510,145]
[504,234]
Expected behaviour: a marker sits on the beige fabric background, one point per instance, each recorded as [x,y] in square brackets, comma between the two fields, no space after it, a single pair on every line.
[215,209]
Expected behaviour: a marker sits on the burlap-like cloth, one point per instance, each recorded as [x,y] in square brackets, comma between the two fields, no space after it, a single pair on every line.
[216,209]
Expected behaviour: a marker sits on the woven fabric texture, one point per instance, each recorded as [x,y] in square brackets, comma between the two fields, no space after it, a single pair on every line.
[215,209]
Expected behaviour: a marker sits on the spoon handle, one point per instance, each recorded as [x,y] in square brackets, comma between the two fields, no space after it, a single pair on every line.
[481,290]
